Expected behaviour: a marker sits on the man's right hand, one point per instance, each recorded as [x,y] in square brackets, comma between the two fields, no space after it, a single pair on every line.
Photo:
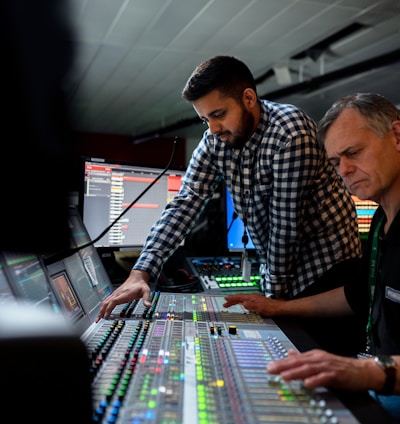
[134,287]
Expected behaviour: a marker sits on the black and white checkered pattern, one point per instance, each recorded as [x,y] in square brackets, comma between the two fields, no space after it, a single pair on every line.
[301,219]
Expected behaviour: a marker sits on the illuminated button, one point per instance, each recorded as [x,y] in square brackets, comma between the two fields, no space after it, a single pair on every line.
[232,329]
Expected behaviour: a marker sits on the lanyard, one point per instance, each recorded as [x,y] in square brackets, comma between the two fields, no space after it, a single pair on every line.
[372,275]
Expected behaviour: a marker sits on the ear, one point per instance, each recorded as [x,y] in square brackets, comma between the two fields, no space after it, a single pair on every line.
[396,131]
[249,98]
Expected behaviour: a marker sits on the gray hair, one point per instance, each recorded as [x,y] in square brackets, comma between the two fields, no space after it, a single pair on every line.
[378,111]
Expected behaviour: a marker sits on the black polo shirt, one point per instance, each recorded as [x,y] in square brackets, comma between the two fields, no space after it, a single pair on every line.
[386,300]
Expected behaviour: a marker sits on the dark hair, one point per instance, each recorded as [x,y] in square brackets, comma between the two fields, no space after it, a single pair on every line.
[225,73]
[378,111]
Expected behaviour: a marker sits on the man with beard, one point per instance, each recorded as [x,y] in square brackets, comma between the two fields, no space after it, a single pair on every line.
[300,217]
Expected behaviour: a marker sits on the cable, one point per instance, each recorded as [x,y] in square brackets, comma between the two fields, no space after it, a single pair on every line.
[71,251]
[135,200]
[234,216]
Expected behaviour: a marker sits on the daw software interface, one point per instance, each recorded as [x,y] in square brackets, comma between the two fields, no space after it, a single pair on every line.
[110,188]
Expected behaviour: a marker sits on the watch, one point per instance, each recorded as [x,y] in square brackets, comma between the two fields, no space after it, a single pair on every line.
[389,365]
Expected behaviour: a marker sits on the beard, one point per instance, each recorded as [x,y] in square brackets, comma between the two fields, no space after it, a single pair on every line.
[244,131]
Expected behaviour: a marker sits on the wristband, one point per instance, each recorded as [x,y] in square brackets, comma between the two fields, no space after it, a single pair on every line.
[389,365]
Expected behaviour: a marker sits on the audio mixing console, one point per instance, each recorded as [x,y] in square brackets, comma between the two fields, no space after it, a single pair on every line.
[223,274]
[189,360]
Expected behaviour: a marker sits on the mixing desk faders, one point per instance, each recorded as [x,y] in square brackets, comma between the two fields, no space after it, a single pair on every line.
[223,274]
[189,360]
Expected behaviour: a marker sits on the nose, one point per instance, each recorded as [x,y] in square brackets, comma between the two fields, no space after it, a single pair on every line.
[214,125]
[345,167]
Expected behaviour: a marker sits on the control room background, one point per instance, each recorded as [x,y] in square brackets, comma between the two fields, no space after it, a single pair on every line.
[118,68]
[134,57]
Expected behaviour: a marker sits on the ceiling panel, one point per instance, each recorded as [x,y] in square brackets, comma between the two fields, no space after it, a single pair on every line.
[133,57]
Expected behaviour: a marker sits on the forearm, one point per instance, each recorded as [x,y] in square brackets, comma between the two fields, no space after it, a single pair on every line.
[319,368]
[328,304]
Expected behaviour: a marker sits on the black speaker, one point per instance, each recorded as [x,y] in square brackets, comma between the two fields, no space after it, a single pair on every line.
[44,368]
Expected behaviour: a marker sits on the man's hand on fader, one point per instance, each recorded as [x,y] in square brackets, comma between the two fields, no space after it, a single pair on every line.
[256,302]
[134,287]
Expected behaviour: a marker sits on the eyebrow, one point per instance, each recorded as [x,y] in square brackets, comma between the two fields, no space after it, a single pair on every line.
[341,153]
[213,112]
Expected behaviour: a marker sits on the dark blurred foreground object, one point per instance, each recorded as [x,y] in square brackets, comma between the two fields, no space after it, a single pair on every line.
[36,137]
[44,368]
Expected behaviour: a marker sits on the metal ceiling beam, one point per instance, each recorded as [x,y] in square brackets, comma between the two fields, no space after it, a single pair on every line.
[305,86]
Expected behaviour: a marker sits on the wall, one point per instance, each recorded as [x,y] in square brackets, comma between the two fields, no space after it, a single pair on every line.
[155,152]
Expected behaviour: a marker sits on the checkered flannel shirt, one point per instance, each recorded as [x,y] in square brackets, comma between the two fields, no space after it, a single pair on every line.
[300,217]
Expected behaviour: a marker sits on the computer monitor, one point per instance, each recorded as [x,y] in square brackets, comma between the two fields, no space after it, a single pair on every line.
[365,210]
[66,295]
[79,278]
[80,290]
[88,254]
[29,279]
[109,189]
[6,293]
[235,228]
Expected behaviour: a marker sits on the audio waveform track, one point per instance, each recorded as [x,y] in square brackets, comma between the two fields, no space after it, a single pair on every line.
[188,360]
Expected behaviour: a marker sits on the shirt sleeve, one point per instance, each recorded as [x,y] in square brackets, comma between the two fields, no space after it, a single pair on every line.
[181,214]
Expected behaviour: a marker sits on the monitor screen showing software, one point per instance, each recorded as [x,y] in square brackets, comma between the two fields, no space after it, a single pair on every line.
[109,189]
[29,279]
[365,210]
[235,228]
